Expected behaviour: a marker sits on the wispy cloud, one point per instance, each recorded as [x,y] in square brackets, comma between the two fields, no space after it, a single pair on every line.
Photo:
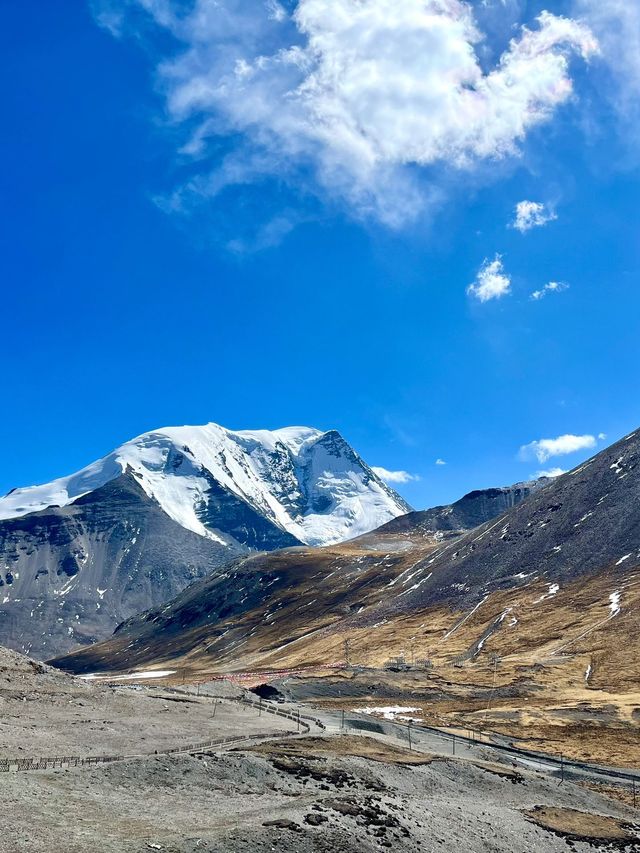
[551,287]
[267,235]
[349,99]
[616,24]
[492,282]
[544,448]
[440,462]
[395,476]
[551,473]
[531,214]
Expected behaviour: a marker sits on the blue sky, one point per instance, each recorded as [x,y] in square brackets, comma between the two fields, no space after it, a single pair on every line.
[294,247]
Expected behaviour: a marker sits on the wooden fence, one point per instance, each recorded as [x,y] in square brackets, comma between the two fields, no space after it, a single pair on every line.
[64,761]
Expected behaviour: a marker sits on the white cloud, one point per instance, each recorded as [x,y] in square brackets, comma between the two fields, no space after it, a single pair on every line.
[276,11]
[492,282]
[531,214]
[267,235]
[109,17]
[545,448]
[348,98]
[551,472]
[551,287]
[440,462]
[616,24]
[395,476]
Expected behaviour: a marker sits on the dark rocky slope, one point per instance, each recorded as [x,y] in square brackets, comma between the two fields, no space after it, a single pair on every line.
[470,511]
[69,575]
[582,523]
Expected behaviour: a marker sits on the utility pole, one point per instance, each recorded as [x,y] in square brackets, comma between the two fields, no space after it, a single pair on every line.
[347,660]
[634,793]
[260,706]
[409,730]
[454,744]
[215,705]
[561,768]
[342,720]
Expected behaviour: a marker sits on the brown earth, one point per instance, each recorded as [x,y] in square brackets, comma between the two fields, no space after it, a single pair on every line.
[618,793]
[361,747]
[575,825]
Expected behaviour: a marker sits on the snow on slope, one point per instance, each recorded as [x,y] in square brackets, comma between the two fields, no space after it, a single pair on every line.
[310,483]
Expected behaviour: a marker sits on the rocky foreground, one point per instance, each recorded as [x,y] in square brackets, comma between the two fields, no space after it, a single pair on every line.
[322,794]
[328,790]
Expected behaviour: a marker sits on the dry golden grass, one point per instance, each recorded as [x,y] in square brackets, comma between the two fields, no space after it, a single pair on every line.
[617,793]
[359,746]
[580,826]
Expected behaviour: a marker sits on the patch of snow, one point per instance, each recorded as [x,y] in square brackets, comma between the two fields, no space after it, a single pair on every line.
[389,712]
[587,674]
[622,559]
[151,673]
[488,530]
[464,619]
[402,575]
[67,587]
[617,467]
[579,470]
[416,585]
[554,588]
[614,604]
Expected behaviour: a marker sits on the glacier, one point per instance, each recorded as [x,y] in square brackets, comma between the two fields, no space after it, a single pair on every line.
[307,482]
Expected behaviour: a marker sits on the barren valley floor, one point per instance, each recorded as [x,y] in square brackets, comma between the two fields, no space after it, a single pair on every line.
[331,790]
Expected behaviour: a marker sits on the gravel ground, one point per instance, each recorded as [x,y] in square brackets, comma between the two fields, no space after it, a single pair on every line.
[349,793]
[288,800]
[44,712]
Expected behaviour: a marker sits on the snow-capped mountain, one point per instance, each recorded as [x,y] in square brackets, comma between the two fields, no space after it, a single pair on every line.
[130,531]
[309,483]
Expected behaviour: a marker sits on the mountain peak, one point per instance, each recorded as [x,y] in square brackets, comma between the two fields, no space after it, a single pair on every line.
[134,528]
[307,482]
